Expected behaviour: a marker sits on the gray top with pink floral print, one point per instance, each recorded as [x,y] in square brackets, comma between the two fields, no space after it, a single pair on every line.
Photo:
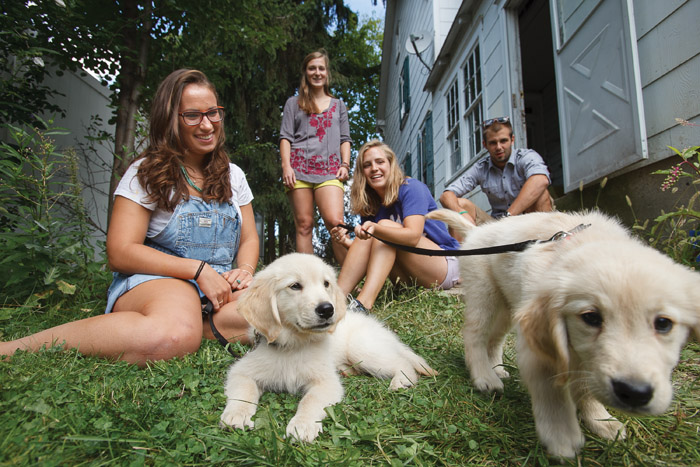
[315,139]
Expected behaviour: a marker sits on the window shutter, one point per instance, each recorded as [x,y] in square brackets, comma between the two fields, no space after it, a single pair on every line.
[406,87]
[428,176]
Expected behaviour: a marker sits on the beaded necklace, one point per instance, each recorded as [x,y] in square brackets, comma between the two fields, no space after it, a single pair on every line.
[189,180]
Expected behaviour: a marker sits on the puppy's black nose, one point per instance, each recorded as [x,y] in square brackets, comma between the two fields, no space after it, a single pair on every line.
[324,310]
[633,394]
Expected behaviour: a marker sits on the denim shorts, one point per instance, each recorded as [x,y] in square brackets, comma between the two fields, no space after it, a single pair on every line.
[122,283]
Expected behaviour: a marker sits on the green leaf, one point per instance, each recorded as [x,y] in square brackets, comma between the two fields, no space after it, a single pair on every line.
[66,288]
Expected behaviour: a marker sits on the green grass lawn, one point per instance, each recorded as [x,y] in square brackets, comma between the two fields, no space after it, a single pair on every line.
[60,408]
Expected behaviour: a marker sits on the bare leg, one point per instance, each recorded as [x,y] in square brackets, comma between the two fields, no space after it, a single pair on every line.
[329,200]
[355,265]
[543,204]
[156,320]
[302,201]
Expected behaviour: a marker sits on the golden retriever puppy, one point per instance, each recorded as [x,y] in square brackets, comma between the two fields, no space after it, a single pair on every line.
[296,311]
[601,319]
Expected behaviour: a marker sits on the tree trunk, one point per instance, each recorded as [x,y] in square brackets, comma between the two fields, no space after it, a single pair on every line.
[134,62]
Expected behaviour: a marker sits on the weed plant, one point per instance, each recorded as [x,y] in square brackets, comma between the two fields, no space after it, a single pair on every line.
[677,233]
[61,408]
[44,232]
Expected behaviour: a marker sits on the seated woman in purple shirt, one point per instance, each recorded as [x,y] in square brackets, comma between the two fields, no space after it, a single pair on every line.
[392,207]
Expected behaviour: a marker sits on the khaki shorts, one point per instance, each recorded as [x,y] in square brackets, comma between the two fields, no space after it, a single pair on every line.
[302,184]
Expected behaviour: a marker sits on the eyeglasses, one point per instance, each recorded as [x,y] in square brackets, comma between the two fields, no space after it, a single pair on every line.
[487,123]
[193,117]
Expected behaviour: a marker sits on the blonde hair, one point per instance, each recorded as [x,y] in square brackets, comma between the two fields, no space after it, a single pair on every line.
[363,199]
[305,101]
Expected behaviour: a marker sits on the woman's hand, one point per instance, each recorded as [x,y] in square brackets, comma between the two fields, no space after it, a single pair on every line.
[343,173]
[363,231]
[239,279]
[215,287]
[340,236]
[288,177]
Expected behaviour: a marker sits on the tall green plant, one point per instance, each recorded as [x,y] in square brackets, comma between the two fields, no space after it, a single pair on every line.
[44,232]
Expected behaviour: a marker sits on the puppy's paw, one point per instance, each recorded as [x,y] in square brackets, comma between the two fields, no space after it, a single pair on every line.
[565,446]
[238,415]
[608,429]
[302,429]
[501,372]
[401,380]
[489,383]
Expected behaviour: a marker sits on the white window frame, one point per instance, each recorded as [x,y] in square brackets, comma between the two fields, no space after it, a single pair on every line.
[453,137]
[473,103]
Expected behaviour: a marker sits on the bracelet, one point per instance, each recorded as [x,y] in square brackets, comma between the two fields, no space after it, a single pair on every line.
[463,212]
[345,164]
[247,272]
[199,270]
[246,264]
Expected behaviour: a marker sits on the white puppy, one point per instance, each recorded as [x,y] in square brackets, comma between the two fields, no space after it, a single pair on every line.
[601,319]
[297,308]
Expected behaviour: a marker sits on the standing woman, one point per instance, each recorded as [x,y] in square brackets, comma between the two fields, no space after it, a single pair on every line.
[315,150]
[392,207]
[181,217]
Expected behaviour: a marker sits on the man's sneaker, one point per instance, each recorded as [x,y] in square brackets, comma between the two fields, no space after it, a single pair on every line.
[355,305]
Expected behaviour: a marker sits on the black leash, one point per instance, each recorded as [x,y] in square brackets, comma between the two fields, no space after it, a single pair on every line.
[511,247]
[208,310]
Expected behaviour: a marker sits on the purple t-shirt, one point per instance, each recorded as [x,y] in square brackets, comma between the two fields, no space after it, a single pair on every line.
[315,139]
[415,199]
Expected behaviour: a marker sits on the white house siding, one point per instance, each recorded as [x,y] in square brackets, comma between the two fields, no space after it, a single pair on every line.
[403,18]
[486,28]
[668,42]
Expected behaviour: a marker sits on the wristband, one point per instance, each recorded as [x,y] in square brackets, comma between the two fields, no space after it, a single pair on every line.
[463,212]
[345,164]
[199,270]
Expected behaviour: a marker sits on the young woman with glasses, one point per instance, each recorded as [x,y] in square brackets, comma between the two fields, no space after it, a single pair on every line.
[182,216]
[315,150]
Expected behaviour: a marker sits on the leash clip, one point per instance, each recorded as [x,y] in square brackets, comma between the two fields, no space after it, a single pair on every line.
[561,235]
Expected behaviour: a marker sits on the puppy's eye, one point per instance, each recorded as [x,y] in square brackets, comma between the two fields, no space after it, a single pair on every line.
[663,325]
[296,286]
[326,284]
[592,318]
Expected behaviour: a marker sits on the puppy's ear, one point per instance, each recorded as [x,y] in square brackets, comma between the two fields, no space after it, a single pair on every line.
[545,333]
[258,305]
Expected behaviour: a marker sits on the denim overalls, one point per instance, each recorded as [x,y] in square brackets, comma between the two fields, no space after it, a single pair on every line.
[206,231]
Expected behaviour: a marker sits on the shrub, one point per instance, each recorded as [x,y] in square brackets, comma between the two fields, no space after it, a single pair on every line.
[44,232]
[677,233]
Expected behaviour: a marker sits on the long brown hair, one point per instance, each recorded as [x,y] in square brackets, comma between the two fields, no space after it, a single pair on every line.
[305,101]
[363,199]
[160,171]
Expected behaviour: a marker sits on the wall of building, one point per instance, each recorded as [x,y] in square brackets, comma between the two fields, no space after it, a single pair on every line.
[86,104]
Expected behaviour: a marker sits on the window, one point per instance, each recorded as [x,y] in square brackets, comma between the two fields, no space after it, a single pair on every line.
[453,127]
[404,93]
[425,154]
[473,114]
[407,168]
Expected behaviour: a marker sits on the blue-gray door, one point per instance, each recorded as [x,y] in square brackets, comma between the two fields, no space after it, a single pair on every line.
[598,88]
